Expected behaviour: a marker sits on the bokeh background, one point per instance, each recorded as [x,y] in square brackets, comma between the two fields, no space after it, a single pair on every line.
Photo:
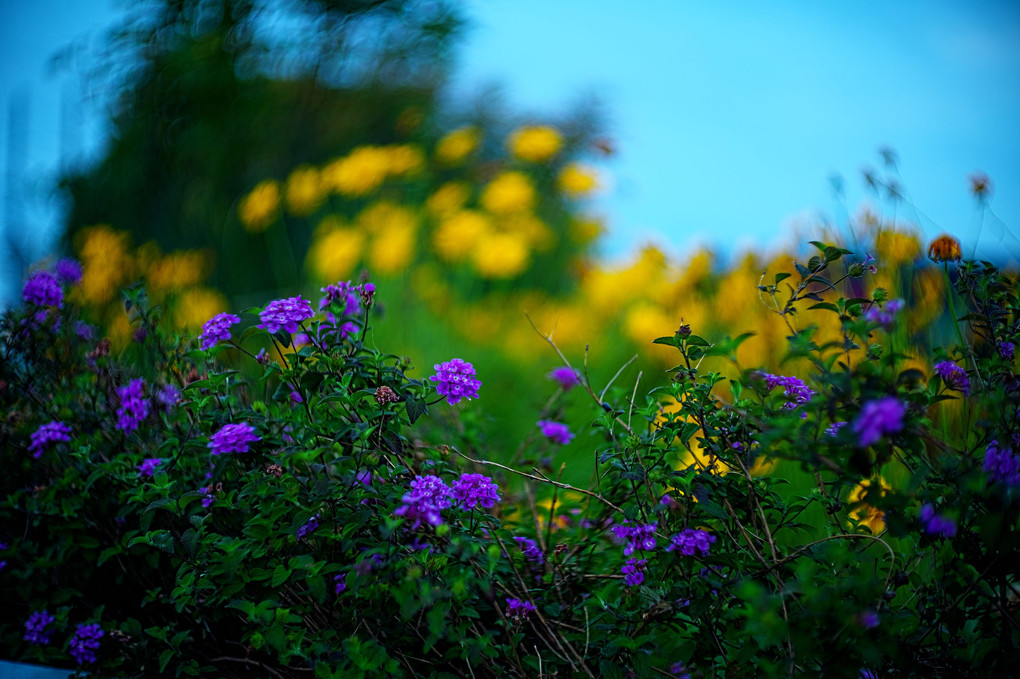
[608,172]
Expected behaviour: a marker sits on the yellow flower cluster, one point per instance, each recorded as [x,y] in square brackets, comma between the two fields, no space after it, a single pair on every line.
[456,146]
[537,143]
[260,207]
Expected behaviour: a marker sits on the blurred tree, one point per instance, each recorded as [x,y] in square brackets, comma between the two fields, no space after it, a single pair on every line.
[216,95]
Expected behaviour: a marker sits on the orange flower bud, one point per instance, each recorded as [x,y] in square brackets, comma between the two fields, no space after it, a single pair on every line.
[945,248]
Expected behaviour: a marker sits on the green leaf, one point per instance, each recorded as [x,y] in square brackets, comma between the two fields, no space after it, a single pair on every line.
[671,341]
[280,575]
[415,409]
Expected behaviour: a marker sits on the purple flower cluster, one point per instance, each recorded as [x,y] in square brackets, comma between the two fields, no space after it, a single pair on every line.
[936,524]
[531,550]
[233,438]
[344,297]
[953,376]
[565,377]
[427,498]
[207,497]
[148,467]
[3,548]
[35,628]
[634,571]
[690,541]
[46,435]
[43,289]
[1006,350]
[133,407]
[557,432]
[797,392]
[217,328]
[868,619]
[877,418]
[310,527]
[475,490]
[285,314]
[865,673]
[168,396]
[679,671]
[833,429]
[884,317]
[636,537]
[517,609]
[85,642]
[68,270]
[1001,464]
[455,379]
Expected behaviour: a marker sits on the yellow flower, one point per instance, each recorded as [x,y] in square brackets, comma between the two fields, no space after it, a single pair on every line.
[448,198]
[501,255]
[509,192]
[578,180]
[105,263]
[945,248]
[392,247]
[536,143]
[456,145]
[258,209]
[304,191]
[896,247]
[533,229]
[358,173]
[178,270]
[195,306]
[405,159]
[863,513]
[335,250]
[457,235]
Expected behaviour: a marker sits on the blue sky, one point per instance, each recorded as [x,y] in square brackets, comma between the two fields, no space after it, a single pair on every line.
[728,118]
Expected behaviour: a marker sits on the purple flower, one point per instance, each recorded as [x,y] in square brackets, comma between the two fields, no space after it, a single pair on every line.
[85,642]
[678,670]
[233,438]
[68,270]
[865,673]
[168,396]
[425,500]
[133,406]
[556,432]
[148,467]
[341,583]
[517,609]
[217,328]
[796,390]
[833,429]
[84,331]
[868,619]
[565,377]
[1002,465]
[953,376]
[344,297]
[475,490]
[1006,350]
[285,314]
[690,541]
[310,527]
[295,398]
[877,418]
[48,434]
[35,628]
[886,317]
[43,289]
[634,571]
[636,537]
[3,547]
[532,553]
[936,524]
[207,497]
[455,379]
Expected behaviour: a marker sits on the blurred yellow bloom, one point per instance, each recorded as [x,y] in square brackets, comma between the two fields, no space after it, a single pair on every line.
[305,191]
[535,232]
[181,269]
[258,209]
[106,264]
[384,215]
[392,247]
[456,145]
[509,192]
[358,173]
[500,255]
[195,306]
[896,247]
[536,143]
[457,235]
[645,321]
[405,159]
[585,230]
[863,513]
[335,250]
[578,180]
[448,198]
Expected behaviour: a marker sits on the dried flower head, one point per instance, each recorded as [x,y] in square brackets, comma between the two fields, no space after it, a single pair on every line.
[945,248]
[384,395]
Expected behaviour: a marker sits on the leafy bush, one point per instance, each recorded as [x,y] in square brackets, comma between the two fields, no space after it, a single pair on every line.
[337,517]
